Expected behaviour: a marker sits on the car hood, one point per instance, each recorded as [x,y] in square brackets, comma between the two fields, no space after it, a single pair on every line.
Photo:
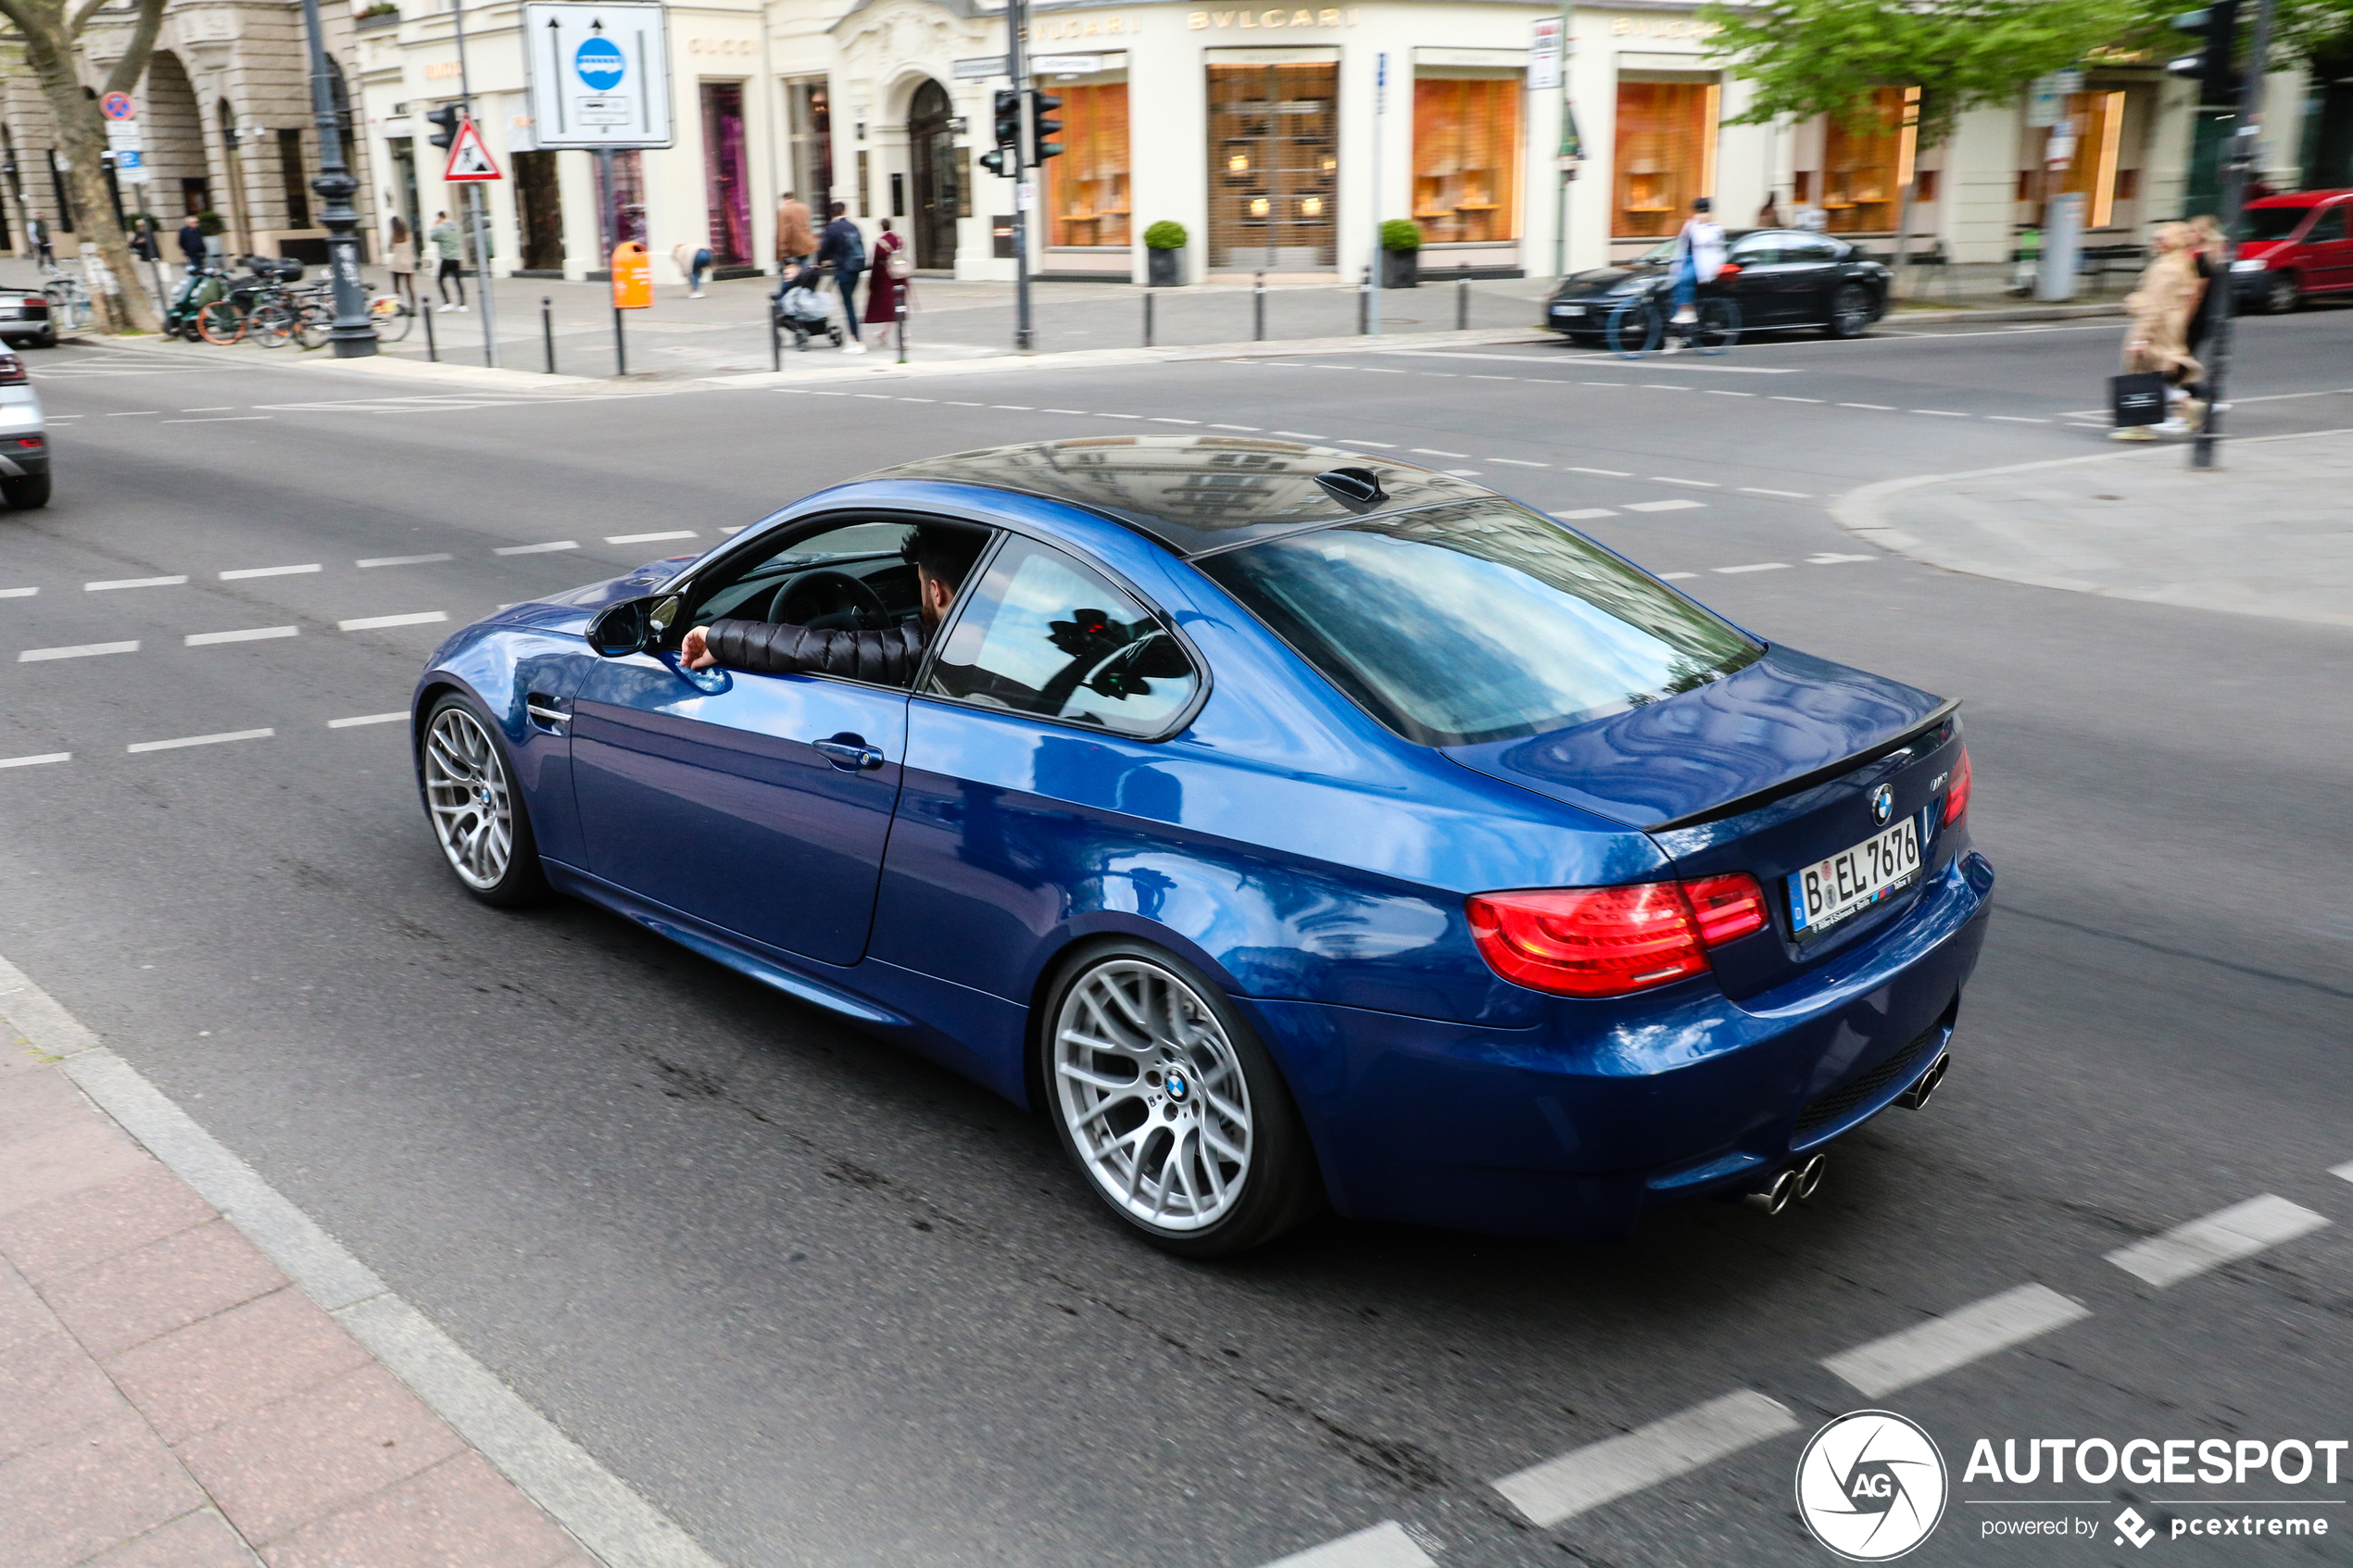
[1599,280]
[2260,247]
[571,611]
[1783,717]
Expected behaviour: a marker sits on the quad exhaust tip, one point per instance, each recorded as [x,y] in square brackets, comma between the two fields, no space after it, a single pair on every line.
[1926,1084]
[1791,1184]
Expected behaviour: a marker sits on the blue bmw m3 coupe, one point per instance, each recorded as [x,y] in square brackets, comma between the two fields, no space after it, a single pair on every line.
[1291,828]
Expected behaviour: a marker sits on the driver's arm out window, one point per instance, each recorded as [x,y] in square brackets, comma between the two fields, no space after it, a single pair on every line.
[1045,635]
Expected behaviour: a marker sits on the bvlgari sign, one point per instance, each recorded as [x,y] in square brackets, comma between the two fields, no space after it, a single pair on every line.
[1275,16]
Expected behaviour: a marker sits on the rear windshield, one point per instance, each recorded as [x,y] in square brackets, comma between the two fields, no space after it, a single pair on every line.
[2273,222]
[1478,620]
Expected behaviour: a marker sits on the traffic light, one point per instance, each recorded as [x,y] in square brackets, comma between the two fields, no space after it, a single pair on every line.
[1043,127]
[2215,66]
[445,117]
[1005,112]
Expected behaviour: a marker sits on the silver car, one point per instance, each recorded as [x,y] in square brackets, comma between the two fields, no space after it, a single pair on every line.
[24,437]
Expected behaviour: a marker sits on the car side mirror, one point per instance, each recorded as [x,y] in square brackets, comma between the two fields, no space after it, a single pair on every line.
[632,625]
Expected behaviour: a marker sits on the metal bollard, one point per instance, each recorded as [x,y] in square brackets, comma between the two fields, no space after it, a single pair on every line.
[1258,308]
[432,350]
[1148,318]
[776,339]
[1365,304]
[900,311]
[1461,302]
[620,346]
[548,329]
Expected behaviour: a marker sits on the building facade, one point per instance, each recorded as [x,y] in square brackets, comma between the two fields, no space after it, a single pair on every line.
[1277,136]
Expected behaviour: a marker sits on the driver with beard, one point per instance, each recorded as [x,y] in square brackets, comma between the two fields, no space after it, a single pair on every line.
[941,558]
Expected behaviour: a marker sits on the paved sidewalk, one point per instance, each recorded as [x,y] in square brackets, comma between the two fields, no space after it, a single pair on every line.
[170,1399]
[2266,533]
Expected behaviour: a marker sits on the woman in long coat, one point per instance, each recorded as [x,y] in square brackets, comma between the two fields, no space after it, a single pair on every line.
[883,291]
[2161,306]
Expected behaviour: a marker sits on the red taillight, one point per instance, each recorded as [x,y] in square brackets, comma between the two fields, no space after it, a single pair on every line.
[1612,941]
[1956,798]
[1730,270]
[12,370]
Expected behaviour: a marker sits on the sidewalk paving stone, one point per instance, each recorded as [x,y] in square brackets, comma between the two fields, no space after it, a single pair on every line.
[409,1525]
[68,1159]
[73,1498]
[162,1286]
[79,1230]
[202,1539]
[240,1360]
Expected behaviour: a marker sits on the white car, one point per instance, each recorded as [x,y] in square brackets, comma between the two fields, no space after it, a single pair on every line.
[24,438]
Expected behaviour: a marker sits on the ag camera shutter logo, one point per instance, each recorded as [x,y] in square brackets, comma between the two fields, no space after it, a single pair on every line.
[1871,1486]
[600,64]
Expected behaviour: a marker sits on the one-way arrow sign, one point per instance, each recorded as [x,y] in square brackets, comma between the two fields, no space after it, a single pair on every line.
[468,158]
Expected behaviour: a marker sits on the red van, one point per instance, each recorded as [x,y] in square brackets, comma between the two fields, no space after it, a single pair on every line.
[2295,246]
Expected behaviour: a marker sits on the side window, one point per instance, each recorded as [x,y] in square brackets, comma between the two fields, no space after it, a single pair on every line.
[1044,635]
[2331,227]
[1808,249]
[851,577]
[1756,250]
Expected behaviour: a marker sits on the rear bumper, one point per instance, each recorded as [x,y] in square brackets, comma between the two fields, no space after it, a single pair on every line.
[1574,1128]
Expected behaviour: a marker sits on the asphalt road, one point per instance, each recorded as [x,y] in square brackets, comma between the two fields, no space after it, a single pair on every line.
[824,1304]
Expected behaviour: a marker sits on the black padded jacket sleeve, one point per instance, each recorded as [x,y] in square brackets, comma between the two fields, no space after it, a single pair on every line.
[886,658]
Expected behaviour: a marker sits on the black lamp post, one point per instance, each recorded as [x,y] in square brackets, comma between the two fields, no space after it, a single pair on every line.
[353,336]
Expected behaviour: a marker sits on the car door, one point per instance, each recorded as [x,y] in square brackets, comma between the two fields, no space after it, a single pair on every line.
[2325,256]
[758,804]
[1810,271]
[1759,289]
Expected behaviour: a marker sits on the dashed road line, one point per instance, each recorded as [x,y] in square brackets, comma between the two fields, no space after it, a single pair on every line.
[1386,1545]
[1780,397]
[245,572]
[2017,419]
[405,560]
[1829,557]
[77,650]
[184,741]
[1080,412]
[550,547]
[221,420]
[1940,1345]
[376,623]
[1299,435]
[1939,413]
[1759,566]
[1786,495]
[1604,473]
[1101,416]
[134,583]
[1518,462]
[1676,576]
[18,593]
[2343,1173]
[1676,505]
[36,761]
[1434,452]
[1165,419]
[1585,1478]
[1695,483]
[358,720]
[1249,428]
[1378,446]
[1879,407]
[650,538]
[250,634]
[1584,513]
[2224,1237]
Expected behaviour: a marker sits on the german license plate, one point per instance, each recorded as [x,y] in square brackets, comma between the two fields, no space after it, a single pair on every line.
[1853,880]
[1568,310]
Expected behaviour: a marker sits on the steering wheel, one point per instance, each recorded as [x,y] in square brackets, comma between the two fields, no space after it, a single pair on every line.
[828,599]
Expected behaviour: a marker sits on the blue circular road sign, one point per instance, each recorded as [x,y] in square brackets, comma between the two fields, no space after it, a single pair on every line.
[600,64]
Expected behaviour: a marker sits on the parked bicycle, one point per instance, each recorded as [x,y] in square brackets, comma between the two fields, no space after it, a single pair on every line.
[261,299]
[1642,325]
[68,297]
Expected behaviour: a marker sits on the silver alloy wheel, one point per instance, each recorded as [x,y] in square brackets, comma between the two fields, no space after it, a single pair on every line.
[1850,310]
[466,790]
[1152,1094]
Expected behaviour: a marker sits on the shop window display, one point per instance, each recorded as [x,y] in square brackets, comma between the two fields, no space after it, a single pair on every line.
[1466,158]
[1864,171]
[1087,187]
[1666,153]
[1274,166]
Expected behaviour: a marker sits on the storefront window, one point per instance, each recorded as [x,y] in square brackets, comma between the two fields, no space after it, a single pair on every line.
[2099,131]
[1466,158]
[1863,172]
[1274,161]
[812,144]
[728,192]
[1666,153]
[626,200]
[1087,187]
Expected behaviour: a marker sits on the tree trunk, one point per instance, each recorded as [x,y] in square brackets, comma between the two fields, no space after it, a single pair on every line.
[119,300]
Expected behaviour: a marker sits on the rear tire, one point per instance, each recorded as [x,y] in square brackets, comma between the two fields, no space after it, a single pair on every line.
[27,494]
[1850,314]
[1177,1117]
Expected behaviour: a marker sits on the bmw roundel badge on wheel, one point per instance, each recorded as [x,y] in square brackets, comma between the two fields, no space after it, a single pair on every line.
[1871,1486]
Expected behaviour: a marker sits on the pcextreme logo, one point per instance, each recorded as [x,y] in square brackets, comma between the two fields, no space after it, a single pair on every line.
[1871,1486]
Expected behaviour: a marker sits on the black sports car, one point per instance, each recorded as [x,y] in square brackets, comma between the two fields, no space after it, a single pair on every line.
[1780,277]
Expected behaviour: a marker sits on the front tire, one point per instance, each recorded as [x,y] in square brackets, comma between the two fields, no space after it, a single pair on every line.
[2282,293]
[478,815]
[1177,1117]
[1850,314]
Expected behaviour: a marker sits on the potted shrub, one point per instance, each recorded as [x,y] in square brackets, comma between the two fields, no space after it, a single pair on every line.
[1164,254]
[1401,252]
[213,227]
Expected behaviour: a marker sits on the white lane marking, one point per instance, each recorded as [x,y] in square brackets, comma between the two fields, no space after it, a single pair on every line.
[245,572]
[648,538]
[2017,419]
[358,720]
[251,634]
[78,650]
[404,560]
[1462,473]
[1676,505]
[1585,1478]
[18,593]
[1720,392]
[1829,557]
[1119,415]
[1569,361]
[1695,483]
[2223,1236]
[1519,463]
[960,403]
[536,550]
[211,408]
[371,622]
[1080,412]
[1778,398]
[36,761]
[1658,386]
[1676,576]
[134,583]
[199,740]
[1435,452]
[1620,386]
[1386,1545]
[1931,1349]
[221,420]
[1165,419]
[1881,407]
[132,413]
[1760,490]
[878,396]
[1299,435]
[736,529]
[1939,413]
[1252,428]
[1383,446]
[1760,566]
[906,399]
[1605,474]
[2344,1172]
[1582,513]
[1016,407]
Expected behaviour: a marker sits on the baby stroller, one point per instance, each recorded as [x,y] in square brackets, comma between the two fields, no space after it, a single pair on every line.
[800,309]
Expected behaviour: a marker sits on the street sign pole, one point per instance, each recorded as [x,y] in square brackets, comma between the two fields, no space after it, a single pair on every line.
[1025,185]
[353,336]
[474,202]
[2241,154]
[1381,111]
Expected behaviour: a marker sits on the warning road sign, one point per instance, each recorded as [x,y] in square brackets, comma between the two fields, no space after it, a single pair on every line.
[468,158]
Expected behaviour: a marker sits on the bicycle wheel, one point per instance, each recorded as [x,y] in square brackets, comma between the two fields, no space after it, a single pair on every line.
[392,315]
[1634,328]
[220,323]
[271,323]
[1719,327]
[312,324]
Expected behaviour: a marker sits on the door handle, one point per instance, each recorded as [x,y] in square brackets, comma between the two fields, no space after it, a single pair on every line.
[850,753]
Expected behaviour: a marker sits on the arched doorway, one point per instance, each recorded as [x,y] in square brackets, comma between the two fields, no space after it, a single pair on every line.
[938,177]
[179,181]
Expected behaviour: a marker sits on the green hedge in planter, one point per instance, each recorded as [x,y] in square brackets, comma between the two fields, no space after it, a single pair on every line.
[1164,235]
[1401,233]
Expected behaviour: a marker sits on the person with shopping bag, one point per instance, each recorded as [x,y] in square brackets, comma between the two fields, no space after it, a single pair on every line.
[888,285]
[2157,343]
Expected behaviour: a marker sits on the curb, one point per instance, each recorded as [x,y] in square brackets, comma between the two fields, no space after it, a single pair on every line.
[1941,315]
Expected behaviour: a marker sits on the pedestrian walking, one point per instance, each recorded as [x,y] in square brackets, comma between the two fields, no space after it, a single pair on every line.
[143,239]
[886,285]
[1769,215]
[400,260]
[192,249]
[1699,256]
[794,237]
[2158,341]
[693,262]
[36,229]
[449,245]
[843,248]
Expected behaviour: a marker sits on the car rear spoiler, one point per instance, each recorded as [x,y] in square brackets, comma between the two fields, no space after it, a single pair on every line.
[1739,805]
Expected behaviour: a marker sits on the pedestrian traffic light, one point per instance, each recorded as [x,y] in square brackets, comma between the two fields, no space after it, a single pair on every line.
[445,117]
[2215,66]
[1043,127]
